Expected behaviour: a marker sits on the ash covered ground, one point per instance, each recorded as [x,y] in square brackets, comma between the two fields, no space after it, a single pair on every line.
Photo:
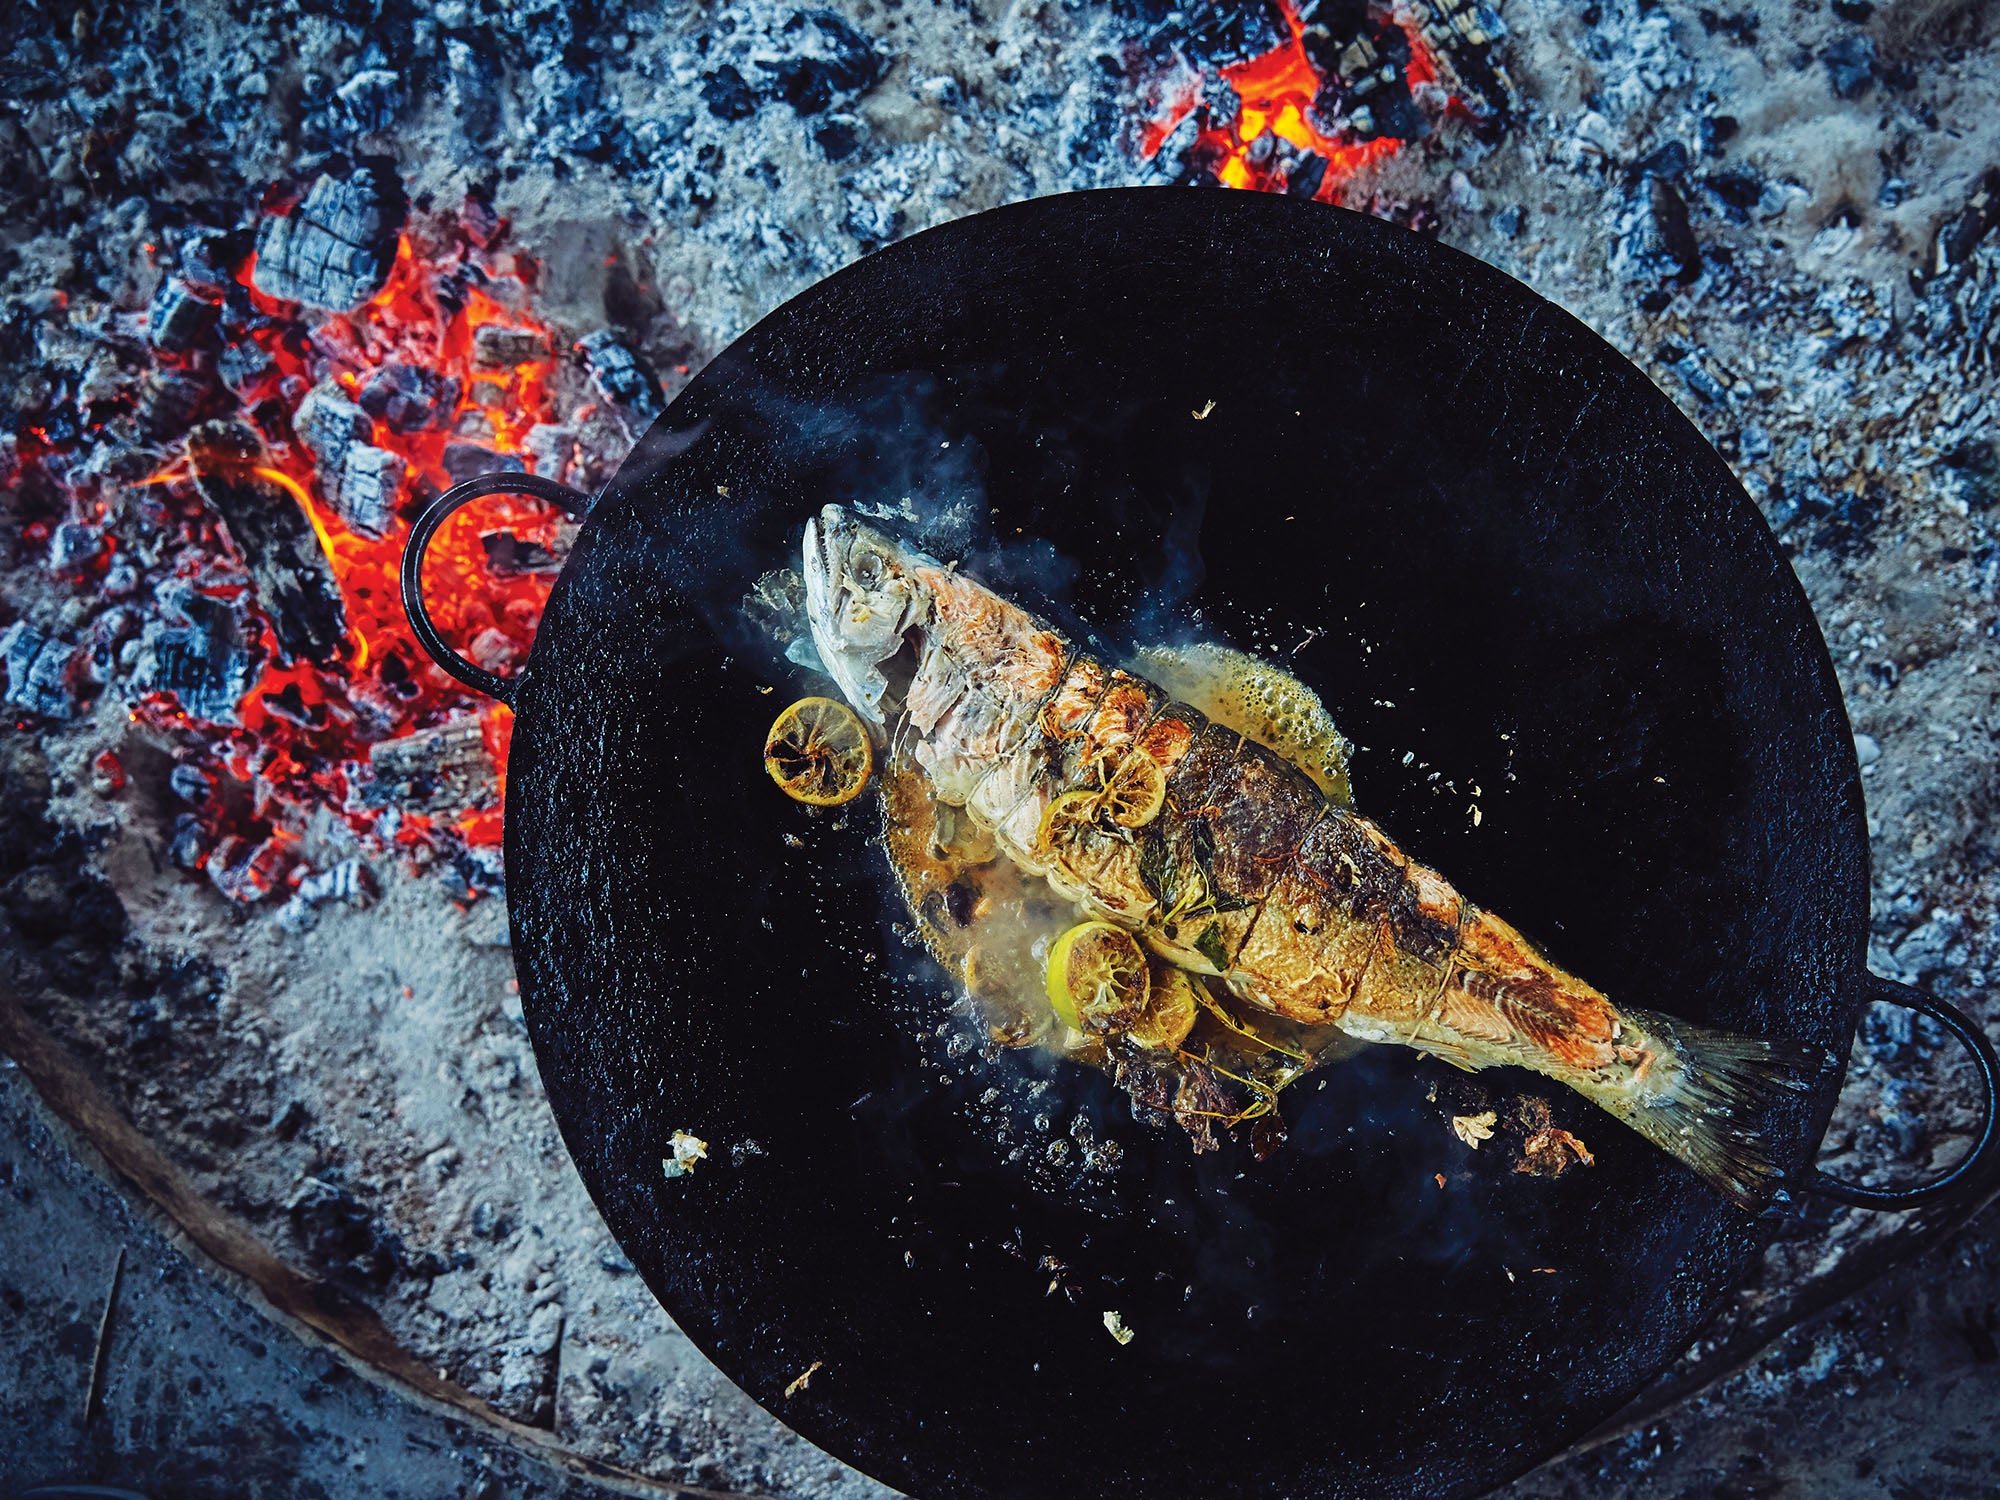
[1781,212]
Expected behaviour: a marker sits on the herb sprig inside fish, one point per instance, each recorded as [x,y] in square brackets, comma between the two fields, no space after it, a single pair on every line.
[1230,862]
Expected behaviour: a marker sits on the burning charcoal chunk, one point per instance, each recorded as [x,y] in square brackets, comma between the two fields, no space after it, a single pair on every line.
[248,872]
[40,671]
[178,316]
[74,545]
[369,482]
[205,665]
[334,249]
[370,99]
[1959,236]
[510,556]
[209,258]
[498,347]
[465,461]
[350,881]
[440,767]
[243,366]
[727,96]
[407,398]
[294,581]
[1850,64]
[191,784]
[492,649]
[327,422]
[621,379]
[169,400]
[550,447]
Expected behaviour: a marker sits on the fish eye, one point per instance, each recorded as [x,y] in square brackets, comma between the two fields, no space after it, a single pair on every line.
[868,570]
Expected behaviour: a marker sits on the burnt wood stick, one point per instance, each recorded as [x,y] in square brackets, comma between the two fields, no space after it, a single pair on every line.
[288,567]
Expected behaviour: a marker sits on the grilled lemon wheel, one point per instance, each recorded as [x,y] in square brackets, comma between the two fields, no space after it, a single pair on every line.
[1137,791]
[818,753]
[1097,979]
[1171,1009]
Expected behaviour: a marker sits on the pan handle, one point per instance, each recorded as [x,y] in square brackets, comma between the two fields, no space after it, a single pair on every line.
[1980,1160]
[574,502]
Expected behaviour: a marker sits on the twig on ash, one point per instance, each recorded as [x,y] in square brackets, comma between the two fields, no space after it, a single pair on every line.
[93,1395]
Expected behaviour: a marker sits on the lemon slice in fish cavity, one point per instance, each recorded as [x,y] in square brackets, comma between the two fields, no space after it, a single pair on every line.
[1097,978]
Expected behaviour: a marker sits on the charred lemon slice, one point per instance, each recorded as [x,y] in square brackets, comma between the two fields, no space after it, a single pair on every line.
[818,753]
[1136,792]
[1170,1013]
[1062,822]
[1097,979]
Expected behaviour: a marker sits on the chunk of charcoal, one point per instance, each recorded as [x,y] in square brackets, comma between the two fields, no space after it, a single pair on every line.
[169,400]
[333,250]
[370,99]
[189,845]
[511,556]
[1961,234]
[407,398]
[287,566]
[350,881]
[498,347]
[244,365]
[205,666]
[550,447]
[191,784]
[178,316]
[1850,64]
[369,482]
[74,545]
[837,138]
[621,379]
[727,95]
[849,60]
[289,1121]
[463,461]
[209,258]
[434,768]
[39,671]
[329,425]
[246,872]
[341,1237]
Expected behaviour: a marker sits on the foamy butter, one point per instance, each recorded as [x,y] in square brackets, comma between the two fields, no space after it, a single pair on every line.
[1257,699]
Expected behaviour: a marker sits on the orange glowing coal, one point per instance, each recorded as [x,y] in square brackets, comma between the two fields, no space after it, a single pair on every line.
[305,729]
[1277,91]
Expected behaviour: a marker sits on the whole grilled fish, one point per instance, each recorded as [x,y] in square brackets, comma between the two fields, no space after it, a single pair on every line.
[1244,870]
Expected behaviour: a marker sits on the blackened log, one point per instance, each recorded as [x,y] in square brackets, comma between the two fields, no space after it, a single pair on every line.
[334,249]
[432,769]
[294,581]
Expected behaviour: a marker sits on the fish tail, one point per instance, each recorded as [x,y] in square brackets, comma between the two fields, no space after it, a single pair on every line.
[1697,1093]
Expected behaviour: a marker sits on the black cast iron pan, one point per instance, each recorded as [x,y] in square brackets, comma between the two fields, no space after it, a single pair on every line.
[1512,562]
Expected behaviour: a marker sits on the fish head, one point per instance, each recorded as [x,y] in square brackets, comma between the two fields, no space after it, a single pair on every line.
[863,597]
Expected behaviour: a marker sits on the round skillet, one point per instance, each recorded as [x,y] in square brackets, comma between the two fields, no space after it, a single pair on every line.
[1504,561]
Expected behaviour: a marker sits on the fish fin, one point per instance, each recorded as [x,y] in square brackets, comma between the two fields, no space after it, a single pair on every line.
[1258,700]
[1699,1095]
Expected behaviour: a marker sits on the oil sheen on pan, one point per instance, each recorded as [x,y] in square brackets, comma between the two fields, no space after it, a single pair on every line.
[1154,868]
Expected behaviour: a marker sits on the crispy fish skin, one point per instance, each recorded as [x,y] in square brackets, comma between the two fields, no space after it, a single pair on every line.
[1247,872]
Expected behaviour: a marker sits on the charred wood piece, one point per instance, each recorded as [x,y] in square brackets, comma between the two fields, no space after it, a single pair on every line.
[509,555]
[294,581]
[204,663]
[359,481]
[178,316]
[498,347]
[334,249]
[169,400]
[370,99]
[463,461]
[625,383]
[433,768]
[42,671]
[407,398]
